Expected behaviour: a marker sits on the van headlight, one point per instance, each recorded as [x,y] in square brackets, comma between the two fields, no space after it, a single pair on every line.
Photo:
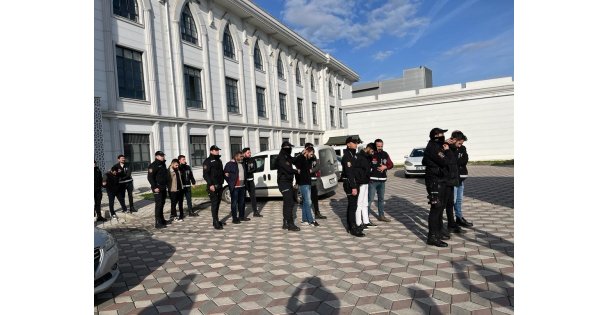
[408,163]
[110,242]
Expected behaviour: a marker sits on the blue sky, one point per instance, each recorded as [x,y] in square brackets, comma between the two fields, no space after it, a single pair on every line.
[460,41]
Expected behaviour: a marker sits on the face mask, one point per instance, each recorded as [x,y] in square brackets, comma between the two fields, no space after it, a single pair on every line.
[440,139]
[287,150]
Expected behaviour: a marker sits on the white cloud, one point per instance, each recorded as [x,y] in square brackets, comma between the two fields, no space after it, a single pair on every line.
[327,21]
[381,55]
[469,47]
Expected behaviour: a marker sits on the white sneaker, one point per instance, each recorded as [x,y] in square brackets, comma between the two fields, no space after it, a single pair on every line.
[115,217]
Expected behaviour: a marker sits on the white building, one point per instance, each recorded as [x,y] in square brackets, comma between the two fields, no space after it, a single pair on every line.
[180,76]
[483,110]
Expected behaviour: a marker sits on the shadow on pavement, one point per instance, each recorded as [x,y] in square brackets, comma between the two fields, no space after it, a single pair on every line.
[338,206]
[140,254]
[415,219]
[494,190]
[310,296]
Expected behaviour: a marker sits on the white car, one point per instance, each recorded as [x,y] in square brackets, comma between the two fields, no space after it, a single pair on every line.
[106,260]
[413,162]
[266,176]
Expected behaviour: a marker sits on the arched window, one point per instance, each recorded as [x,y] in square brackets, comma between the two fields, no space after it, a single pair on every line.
[280,70]
[188,27]
[298,76]
[330,88]
[127,9]
[312,81]
[257,57]
[228,44]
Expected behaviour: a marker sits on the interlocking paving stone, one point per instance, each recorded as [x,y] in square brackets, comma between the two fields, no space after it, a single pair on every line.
[258,268]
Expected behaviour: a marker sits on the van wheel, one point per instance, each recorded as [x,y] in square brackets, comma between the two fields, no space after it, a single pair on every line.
[226,194]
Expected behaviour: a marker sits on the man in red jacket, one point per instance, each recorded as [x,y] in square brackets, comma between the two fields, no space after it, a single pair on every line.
[381,162]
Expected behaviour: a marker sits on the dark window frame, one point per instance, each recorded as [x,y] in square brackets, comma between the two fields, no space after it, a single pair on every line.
[141,141]
[236,145]
[332,115]
[340,113]
[312,81]
[198,150]
[232,95]
[257,57]
[298,75]
[266,142]
[300,110]
[127,69]
[260,96]
[283,106]
[330,88]
[128,9]
[192,80]
[314,114]
[280,68]
[189,32]
[228,44]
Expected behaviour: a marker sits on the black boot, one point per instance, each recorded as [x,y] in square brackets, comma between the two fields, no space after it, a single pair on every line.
[293,227]
[435,241]
[463,222]
[257,215]
[456,229]
[357,231]
[318,215]
[160,225]
[192,213]
[217,225]
[285,225]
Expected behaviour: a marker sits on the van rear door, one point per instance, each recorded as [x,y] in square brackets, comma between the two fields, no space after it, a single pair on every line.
[260,176]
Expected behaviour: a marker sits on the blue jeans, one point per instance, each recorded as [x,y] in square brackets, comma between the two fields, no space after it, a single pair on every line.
[306,204]
[237,201]
[188,195]
[373,187]
[458,193]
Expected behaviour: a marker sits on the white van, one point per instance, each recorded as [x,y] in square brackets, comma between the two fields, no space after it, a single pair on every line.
[266,176]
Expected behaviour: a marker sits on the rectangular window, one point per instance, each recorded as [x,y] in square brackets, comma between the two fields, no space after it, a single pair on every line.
[137,150]
[283,105]
[300,111]
[314,113]
[263,144]
[302,141]
[339,91]
[198,145]
[192,85]
[261,100]
[330,88]
[331,115]
[236,145]
[232,95]
[285,139]
[129,70]
[127,9]
[316,141]
[340,118]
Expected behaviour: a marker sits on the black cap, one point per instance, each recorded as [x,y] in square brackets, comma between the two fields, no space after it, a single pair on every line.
[435,131]
[286,144]
[371,145]
[214,147]
[159,153]
[353,139]
[308,144]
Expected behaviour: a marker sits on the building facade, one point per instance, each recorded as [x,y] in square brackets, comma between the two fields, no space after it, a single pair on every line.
[483,110]
[180,76]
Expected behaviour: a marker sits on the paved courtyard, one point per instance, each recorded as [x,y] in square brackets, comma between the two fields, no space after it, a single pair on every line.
[258,268]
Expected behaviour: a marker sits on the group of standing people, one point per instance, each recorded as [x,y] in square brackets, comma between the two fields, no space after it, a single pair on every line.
[445,162]
[364,176]
[118,183]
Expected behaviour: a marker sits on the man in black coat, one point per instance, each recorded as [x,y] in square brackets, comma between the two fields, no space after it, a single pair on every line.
[188,182]
[435,179]
[158,177]
[113,189]
[98,194]
[250,168]
[350,185]
[285,175]
[462,158]
[126,182]
[213,173]
[314,192]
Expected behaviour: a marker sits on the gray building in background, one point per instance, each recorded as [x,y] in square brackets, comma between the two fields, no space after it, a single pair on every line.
[413,79]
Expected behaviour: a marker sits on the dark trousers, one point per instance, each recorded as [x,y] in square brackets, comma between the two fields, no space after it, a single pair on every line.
[435,220]
[215,203]
[98,195]
[250,185]
[314,196]
[111,196]
[449,206]
[188,196]
[128,189]
[159,204]
[351,207]
[177,198]
[288,203]
[237,202]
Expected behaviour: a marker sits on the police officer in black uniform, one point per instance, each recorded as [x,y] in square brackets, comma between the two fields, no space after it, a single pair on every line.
[285,175]
[250,169]
[158,178]
[350,185]
[436,175]
[314,192]
[213,173]
[98,194]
